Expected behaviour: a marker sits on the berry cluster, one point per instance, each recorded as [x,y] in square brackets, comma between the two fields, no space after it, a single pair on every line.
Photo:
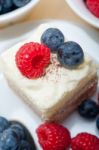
[10,5]
[70,54]
[53,136]
[32,58]
[14,136]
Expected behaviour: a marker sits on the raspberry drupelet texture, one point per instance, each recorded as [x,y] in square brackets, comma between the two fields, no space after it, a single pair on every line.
[93,6]
[53,136]
[32,59]
[85,141]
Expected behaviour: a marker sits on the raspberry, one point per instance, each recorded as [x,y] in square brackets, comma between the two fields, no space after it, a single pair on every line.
[93,6]
[85,141]
[53,136]
[32,58]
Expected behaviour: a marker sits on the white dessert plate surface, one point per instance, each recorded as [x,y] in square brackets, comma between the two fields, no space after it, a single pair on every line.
[12,107]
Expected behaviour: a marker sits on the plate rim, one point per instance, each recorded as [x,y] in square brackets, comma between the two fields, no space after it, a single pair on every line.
[89,21]
[35,22]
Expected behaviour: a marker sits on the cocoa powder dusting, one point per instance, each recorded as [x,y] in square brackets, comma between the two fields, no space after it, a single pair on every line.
[53,71]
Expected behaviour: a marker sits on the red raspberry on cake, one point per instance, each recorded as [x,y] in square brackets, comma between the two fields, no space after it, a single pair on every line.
[32,59]
[85,141]
[93,6]
[53,136]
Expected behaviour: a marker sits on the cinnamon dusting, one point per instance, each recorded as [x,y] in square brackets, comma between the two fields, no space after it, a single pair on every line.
[53,72]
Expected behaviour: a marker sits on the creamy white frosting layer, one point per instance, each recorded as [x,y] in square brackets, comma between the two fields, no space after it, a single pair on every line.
[47,91]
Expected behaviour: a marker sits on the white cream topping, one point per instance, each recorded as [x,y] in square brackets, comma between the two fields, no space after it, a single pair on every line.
[46,91]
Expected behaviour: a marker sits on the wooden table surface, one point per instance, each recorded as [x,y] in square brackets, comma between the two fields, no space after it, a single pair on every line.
[55,9]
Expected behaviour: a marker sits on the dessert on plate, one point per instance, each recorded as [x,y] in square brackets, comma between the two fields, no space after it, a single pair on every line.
[52,75]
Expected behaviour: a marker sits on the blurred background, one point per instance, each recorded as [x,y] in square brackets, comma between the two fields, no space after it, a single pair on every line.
[55,9]
[48,9]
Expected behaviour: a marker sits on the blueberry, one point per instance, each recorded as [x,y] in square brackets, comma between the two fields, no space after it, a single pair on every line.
[20,3]
[22,134]
[5,6]
[2,144]
[0,8]
[88,109]
[53,38]
[19,129]
[8,140]
[70,54]
[97,123]
[4,124]
[24,145]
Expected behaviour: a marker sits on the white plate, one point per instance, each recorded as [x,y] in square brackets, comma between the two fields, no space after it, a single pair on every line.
[18,14]
[12,107]
[80,9]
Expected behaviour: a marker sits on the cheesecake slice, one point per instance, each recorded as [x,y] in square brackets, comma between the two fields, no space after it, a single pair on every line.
[57,93]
